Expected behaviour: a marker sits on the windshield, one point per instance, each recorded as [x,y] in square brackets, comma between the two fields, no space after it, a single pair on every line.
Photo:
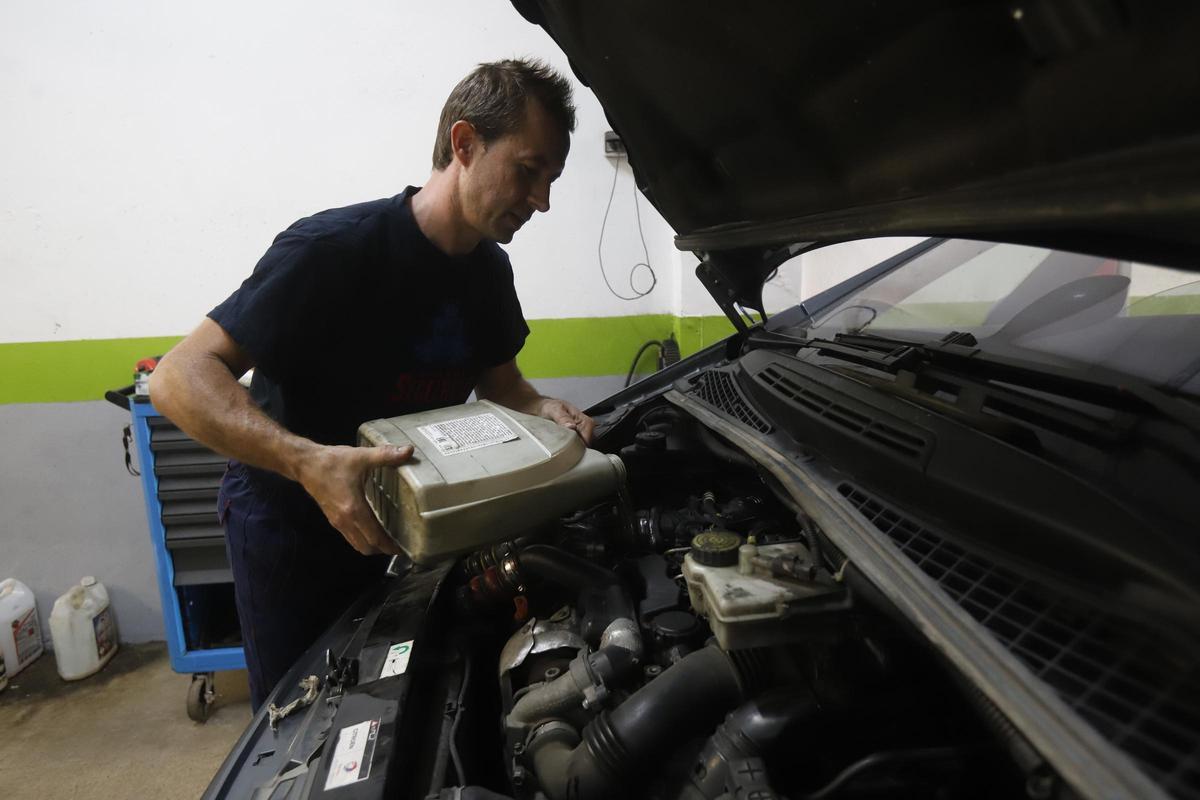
[1038,304]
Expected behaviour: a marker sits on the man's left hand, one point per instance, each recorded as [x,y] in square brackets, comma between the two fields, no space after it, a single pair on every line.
[505,385]
[568,416]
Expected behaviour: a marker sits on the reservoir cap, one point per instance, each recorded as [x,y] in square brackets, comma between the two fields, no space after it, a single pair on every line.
[716,548]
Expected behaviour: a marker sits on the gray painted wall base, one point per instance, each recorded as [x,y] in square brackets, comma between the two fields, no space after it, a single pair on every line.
[68,508]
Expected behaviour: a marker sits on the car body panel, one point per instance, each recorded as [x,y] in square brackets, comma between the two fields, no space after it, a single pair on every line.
[1065,124]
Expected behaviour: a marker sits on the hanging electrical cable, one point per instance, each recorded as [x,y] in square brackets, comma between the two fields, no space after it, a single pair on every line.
[637,293]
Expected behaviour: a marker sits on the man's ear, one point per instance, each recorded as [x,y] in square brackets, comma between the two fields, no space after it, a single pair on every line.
[465,142]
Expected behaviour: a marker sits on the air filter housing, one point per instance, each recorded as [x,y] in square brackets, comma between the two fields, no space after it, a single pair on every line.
[480,473]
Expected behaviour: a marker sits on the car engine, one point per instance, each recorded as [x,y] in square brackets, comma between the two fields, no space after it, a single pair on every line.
[697,637]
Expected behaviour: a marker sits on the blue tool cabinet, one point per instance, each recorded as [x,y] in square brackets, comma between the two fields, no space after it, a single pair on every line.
[180,480]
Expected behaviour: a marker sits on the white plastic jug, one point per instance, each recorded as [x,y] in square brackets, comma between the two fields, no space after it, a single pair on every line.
[20,631]
[83,630]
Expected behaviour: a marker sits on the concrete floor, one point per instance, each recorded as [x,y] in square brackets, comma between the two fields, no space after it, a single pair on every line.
[122,733]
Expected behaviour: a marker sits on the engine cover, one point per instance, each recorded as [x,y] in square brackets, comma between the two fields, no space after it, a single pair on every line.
[480,473]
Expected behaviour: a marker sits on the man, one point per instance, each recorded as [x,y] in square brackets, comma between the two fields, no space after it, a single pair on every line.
[375,310]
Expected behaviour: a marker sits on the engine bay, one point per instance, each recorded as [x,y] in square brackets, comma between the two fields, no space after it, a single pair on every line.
[694,635]
[697,637]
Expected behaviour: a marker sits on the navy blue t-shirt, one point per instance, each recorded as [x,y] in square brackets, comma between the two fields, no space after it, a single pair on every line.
[352,315]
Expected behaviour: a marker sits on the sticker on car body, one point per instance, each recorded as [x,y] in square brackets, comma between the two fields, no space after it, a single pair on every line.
[396,661]
[467,433]
[352,754]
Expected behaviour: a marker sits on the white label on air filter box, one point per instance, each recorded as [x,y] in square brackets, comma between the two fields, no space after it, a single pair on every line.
[397,659]
[467,433]
[352,755]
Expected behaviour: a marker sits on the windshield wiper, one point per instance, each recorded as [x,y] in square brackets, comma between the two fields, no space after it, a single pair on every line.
[960,352]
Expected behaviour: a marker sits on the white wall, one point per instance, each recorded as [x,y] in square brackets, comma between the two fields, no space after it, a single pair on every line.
[150,151]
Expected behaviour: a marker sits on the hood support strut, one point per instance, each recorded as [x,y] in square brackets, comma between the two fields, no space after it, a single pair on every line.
[736,277]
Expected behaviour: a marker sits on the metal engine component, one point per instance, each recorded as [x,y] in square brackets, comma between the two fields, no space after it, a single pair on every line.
[500,572]
[540,636]
[479,473]
[584,687]
[623,633]
[658,528]
[779,600]
[493,573]
[575,695]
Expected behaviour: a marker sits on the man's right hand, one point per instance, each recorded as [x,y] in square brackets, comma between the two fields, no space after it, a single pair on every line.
[336,477]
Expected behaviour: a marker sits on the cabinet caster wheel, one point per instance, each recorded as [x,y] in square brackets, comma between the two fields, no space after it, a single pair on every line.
[201,694]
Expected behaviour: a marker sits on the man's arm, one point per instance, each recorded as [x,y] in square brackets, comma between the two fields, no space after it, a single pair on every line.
[195,386]
[505,385]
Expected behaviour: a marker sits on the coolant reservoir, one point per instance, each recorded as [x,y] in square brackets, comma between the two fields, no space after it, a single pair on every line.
[762,601]
[480,473]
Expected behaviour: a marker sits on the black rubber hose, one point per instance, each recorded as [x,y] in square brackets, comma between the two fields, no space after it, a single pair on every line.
[648,419]
[733,755]
[563,568]
[641,351]
[816,552]
[692,695]
[755,726]
[724,451]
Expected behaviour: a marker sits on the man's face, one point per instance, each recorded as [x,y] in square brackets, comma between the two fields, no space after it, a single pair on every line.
[508,179]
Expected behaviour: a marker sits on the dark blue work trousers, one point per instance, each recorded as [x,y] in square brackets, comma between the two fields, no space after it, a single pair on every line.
[293,574]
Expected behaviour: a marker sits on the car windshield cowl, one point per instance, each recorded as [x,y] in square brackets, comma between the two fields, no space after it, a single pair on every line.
[960,352]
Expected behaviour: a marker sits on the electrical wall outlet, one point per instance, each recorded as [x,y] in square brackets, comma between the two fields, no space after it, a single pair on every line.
[613,146]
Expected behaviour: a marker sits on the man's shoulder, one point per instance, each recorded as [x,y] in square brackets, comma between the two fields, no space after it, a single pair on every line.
[346,225]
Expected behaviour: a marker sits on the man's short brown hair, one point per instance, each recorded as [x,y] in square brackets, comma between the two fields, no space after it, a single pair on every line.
[492,98]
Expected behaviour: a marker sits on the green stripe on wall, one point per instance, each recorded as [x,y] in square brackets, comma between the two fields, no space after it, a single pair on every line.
[64,372]
[575,348]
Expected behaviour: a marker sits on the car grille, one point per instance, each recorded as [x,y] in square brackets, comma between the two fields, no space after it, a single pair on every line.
[719,390]
[1136,690]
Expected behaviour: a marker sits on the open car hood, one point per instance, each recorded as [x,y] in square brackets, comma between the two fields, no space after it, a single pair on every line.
[1062,123]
